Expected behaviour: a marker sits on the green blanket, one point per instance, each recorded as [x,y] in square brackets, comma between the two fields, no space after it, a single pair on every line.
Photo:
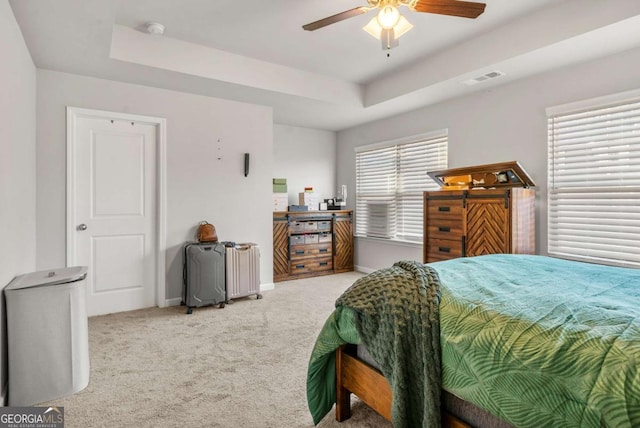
[394,312]
[537,341]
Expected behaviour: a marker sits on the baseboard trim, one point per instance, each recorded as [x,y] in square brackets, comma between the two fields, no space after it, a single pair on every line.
[173,302]
[364,269]
[268,286]
[178,300]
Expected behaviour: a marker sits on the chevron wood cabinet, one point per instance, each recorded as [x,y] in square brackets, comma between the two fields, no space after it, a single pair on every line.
[343,241]
[465,223]
[311,243]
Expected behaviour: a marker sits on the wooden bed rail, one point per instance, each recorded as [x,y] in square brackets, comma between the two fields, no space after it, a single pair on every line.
[357,377]
[354,376]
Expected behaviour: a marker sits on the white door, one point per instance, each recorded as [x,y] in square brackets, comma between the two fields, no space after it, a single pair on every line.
[114,210]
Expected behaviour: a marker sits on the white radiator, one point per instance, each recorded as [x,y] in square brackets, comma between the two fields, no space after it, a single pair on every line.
[243,271]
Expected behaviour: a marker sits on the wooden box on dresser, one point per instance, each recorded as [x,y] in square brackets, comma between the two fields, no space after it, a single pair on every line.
[311,243]
[478,220]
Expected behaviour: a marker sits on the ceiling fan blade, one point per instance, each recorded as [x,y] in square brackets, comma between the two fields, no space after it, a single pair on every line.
[464,9]
[336,18]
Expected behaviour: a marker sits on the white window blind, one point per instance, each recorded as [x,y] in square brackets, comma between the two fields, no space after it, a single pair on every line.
[594,183]
[390,180]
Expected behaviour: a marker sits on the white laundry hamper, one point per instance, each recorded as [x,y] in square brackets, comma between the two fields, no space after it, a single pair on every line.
[48,337]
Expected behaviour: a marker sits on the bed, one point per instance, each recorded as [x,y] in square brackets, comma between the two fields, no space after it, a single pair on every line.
[531,341]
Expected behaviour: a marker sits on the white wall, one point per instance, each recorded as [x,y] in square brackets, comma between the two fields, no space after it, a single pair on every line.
[306,158]
[499,124]
[199,187]
[17,164]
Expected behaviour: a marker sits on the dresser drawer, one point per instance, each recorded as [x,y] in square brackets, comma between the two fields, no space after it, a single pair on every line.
[300,252]
[310,226]
[325,237]
[444,229]
[296,227]
[296,240]
[445,208]
[311,238]
[443,249]
[324,225]
[312,265]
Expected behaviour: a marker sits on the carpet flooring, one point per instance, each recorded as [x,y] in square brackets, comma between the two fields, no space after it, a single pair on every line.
[240,366]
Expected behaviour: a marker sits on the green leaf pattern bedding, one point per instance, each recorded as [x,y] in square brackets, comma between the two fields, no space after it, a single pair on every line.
[537,341]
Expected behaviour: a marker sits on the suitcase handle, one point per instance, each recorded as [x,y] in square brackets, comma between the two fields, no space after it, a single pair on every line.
[184,273]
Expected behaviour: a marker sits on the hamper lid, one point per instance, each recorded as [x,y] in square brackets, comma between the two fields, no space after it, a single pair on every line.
[48,277]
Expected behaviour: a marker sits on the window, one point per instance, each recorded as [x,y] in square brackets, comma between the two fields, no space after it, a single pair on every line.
[594,180]
[390,179]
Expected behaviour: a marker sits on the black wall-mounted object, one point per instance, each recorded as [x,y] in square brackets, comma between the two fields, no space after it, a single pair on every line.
[246,164]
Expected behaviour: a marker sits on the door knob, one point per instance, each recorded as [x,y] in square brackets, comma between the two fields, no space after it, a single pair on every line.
[82,227]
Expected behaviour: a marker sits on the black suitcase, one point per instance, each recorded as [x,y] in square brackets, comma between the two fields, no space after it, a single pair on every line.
[203,275]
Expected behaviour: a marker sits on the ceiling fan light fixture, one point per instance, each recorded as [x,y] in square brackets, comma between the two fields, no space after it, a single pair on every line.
[388,39]
[402,27]
[388,17]
[373,28]
[380,33]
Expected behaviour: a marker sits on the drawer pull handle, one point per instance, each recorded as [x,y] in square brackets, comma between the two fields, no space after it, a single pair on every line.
[324,263]
[444,209]
[324,250]
[444,229]
[299,251]
[444,249]
[299,266]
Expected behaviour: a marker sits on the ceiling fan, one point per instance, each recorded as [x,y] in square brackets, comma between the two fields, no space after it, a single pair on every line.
[389,24]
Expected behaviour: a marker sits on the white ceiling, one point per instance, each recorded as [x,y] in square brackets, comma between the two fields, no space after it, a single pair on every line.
[333,78]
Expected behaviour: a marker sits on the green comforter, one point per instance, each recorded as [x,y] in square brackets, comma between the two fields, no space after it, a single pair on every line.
[536,341]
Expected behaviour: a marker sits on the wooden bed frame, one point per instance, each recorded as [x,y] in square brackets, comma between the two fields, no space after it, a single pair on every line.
[354,376]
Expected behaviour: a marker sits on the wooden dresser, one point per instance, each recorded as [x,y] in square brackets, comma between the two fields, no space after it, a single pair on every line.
[498,218]
[311,243]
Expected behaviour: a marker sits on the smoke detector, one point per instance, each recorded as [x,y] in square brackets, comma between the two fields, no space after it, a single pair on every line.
[155,28]
[483,78]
